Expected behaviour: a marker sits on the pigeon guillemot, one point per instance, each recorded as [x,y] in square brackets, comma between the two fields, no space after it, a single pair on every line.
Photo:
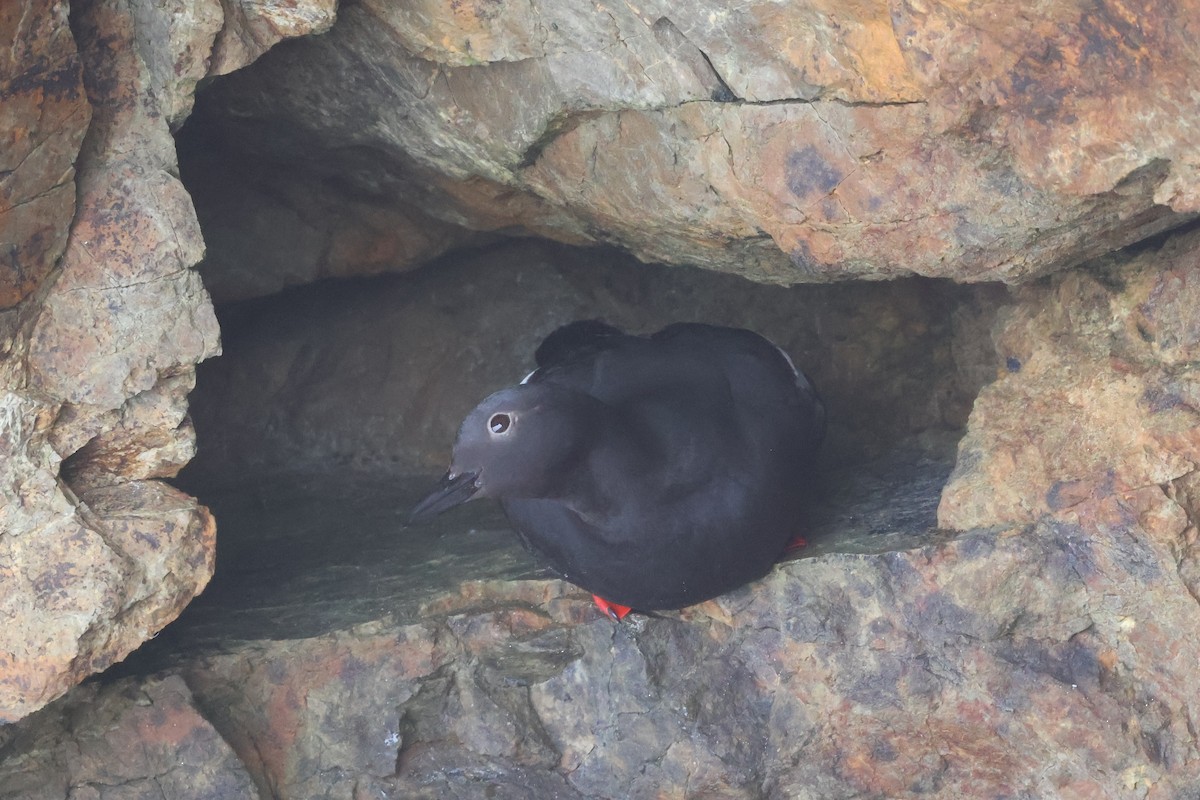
[653,471]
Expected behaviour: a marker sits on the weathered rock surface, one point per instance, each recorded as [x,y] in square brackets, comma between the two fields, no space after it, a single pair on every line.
[251,28]
[1048,647]
[1100,393]
[1054,660]
[787,142]
[126,741]
[378,374]
[44,114]
[96,558]
[105,321]
[343,656]
[1049,655]
[267,227]
[943,670]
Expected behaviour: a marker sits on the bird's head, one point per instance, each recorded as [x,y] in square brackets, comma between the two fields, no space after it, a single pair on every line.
[517,443]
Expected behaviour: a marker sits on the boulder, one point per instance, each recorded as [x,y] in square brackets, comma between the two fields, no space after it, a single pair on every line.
[129,740]
[785,142]
[1098,393]
[105,322]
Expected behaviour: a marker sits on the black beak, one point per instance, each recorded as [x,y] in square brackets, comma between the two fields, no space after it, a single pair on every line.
[452,491]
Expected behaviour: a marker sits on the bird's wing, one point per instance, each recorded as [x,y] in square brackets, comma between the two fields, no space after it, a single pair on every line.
[751,362]
[575,341]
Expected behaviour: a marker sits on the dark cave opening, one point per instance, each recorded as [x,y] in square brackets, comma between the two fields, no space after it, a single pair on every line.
[346,372]
[335,406]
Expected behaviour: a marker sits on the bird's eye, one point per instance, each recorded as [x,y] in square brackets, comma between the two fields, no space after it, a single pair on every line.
[499,423]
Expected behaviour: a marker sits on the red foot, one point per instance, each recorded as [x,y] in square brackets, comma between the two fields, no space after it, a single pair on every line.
[614,610]
[795,544]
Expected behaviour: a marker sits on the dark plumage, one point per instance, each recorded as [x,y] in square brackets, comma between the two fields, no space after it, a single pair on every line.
[654,471]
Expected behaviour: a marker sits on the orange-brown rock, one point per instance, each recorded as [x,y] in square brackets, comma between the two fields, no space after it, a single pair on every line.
[87,576]
[135,739]
[101,323]
[1097,392]
[789,143]
[1049,655]
[1045,646]
[44,114]
[251,28]
[101,558]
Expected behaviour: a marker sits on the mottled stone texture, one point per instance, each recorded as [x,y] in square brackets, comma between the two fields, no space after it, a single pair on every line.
[101,323]
[1047,653]
[1045,644]
[251,27]
[1099,392]
[1051,653]
[945,670]
[97,557]
[789,142]
[44,114]
[132,740]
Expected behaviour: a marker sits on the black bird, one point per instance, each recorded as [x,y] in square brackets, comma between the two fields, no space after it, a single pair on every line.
[653,471]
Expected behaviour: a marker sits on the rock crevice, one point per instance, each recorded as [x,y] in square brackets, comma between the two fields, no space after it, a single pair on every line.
[1015,620]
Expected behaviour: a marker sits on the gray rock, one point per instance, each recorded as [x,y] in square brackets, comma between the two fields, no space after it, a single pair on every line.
[1051,660]
[782,142]
[131,740]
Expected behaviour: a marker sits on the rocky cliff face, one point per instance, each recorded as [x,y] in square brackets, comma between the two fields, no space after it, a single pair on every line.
[102,320]
[1014,619]
[785,142]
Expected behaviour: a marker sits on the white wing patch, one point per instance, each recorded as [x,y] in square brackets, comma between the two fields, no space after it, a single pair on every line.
[525,380]
[801,379]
